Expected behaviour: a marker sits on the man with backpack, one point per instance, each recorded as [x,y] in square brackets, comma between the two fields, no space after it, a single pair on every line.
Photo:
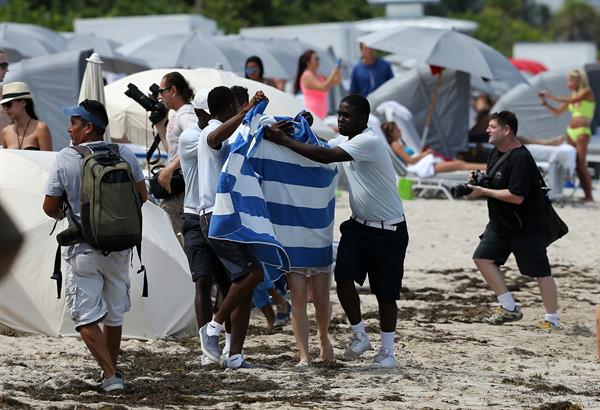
[102,230]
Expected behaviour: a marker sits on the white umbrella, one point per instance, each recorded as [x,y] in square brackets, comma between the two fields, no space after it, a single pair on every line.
[176,50]
[30,40]
[92,86]
[28,300]
[114,62]
[237,49]
[128,119]
[447,49]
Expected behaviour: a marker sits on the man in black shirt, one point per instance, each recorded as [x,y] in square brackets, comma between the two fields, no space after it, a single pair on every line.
[516,211]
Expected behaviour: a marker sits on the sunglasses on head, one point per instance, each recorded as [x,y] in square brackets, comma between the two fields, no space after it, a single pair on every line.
[4,65]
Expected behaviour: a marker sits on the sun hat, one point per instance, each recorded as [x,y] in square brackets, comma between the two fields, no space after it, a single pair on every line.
[15,91]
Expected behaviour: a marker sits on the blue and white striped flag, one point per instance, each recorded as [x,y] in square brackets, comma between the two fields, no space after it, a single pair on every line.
[275,199]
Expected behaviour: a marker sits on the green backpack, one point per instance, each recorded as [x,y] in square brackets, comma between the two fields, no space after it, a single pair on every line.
[111,207]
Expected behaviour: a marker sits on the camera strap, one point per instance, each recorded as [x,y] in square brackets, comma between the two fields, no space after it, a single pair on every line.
[153,147]
[503,158]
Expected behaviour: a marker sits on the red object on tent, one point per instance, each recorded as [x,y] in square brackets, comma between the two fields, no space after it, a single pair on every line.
[435,70]
[530,66]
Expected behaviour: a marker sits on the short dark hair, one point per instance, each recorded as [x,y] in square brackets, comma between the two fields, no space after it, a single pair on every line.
[175,79]
[241,95]
[220,99]
[358,103]
[505,118]
[96,108]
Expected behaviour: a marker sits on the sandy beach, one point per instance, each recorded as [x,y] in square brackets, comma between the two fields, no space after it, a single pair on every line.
[447,358]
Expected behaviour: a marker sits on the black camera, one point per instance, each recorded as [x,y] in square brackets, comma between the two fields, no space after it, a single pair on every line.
[149,102]
[478,178]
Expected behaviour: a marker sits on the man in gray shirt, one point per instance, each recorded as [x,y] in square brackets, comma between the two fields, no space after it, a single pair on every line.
[375,238]
[96,285]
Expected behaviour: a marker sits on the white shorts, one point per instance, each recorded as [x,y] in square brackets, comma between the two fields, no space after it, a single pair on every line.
[97,287]
[308,272]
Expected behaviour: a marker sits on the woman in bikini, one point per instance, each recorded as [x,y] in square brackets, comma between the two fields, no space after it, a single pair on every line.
[582,104]
[424,164]
[26,131]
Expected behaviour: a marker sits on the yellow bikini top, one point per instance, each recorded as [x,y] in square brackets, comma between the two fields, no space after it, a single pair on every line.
[584,109]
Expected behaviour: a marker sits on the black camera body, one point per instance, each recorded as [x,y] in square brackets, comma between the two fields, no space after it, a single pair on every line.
[478,179]
[149,102]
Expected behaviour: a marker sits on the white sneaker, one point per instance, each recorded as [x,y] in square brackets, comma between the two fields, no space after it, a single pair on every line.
[358,345]
[205,361]
[384,359]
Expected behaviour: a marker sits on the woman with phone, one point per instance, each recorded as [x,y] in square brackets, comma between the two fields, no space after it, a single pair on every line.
[314,86]
[582,105]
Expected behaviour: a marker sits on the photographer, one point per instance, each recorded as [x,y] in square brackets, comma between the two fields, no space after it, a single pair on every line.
[516,211]
[176,94]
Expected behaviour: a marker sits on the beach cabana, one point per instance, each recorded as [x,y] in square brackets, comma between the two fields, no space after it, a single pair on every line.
[450,120]
[28,301]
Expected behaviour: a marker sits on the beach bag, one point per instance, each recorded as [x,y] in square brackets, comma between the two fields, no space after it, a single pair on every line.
[157,190]
[556,228]
[111,207]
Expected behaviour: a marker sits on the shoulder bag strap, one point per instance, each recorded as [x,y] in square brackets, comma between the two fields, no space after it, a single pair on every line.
[503,158]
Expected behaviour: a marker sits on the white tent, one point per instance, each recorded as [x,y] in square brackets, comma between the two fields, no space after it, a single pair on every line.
[128,119]
[28,300]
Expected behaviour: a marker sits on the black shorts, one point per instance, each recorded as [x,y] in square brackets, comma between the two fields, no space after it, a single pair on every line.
[529,251]
[378,252]
[201,258]
[237,258]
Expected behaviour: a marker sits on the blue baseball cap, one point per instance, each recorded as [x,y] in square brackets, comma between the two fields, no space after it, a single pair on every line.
[79,111]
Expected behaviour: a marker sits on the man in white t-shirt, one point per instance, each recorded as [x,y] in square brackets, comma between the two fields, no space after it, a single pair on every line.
[375,238]
[205,268]
[239,259]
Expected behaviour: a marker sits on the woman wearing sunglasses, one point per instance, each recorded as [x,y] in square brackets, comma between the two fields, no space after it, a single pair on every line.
[26,131]
[255,70]
[314,86]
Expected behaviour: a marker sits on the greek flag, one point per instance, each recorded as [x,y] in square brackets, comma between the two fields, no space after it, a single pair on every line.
[275,199]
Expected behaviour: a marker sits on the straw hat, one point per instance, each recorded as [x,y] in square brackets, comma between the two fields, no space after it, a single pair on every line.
[15,91]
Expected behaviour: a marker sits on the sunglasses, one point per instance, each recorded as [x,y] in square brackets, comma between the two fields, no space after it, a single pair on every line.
[7,104]
[162,90]
[4,65]
[252,70]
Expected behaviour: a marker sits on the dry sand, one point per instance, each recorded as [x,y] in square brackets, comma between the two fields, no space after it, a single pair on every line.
[446,357]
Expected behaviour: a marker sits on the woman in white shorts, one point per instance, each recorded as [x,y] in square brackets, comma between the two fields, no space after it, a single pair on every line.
[424,164]
[302,282]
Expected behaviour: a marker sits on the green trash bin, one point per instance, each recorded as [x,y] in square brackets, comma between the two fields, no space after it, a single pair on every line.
[405,188]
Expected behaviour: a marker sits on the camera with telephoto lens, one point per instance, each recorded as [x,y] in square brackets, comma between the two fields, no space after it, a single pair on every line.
[149,102]
[478,179]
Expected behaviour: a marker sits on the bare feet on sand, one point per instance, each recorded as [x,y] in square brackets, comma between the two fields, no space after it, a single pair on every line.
[327,354]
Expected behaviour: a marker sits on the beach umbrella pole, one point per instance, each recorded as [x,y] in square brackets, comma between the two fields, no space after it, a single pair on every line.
[431,108]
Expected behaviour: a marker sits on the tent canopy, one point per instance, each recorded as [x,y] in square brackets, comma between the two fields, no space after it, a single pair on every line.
[450,121]
[28,300]
[129,120]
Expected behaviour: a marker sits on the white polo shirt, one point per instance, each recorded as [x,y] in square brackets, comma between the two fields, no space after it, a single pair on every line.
[371,178]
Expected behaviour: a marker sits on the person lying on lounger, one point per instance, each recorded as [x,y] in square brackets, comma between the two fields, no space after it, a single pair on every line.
[424,164]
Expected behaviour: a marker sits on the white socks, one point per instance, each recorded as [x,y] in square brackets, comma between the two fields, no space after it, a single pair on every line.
[507,302]
[552,318]
[359,327]
[227,346]
[214,328]
[387,340]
